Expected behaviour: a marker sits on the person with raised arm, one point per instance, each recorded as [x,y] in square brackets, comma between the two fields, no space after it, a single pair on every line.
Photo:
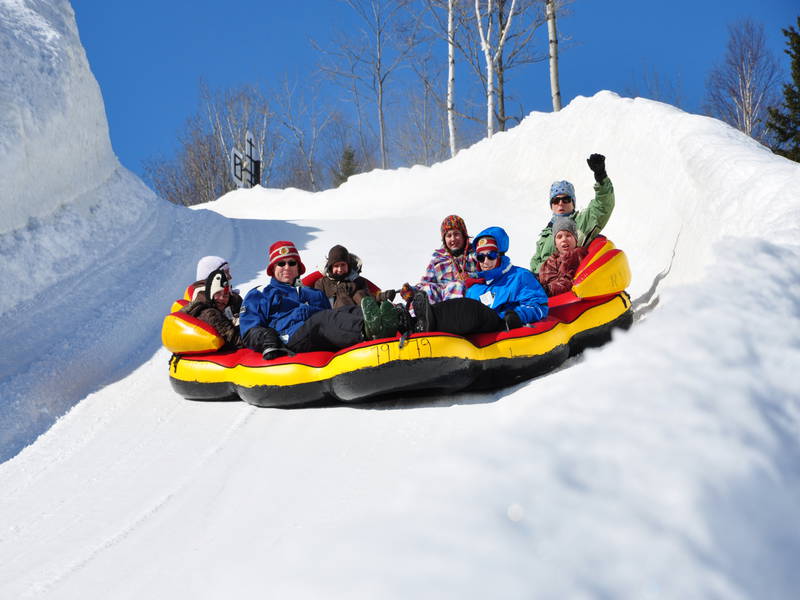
[589,221]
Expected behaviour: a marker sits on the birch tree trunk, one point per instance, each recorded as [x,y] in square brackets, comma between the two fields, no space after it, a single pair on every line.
[490,58]
[451,76]
[555,89]
[379,80]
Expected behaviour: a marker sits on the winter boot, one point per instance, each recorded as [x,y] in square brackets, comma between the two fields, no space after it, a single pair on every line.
[423,312]
[389,320]
[273,353]
[372,317]
[405,322]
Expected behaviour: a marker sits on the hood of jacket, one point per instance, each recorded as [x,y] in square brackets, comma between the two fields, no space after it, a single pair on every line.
[498,233]
[355,265]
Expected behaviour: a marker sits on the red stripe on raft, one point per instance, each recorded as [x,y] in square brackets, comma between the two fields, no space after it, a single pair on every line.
[196,322]
[559,300]
[596,265]
[567,313]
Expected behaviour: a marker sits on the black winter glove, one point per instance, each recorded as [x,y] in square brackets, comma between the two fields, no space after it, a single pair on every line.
[387,295]
[597,163]
[512,320]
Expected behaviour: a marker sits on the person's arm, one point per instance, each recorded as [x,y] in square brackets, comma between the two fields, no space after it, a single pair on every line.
[544,248]
[594,217]
[531,297]
[226,329]
[432,274]
[250,315]
[548,275]
[315,299]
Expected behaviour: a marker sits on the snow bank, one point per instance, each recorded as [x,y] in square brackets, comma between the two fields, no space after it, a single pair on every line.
[82,240]
[54,144]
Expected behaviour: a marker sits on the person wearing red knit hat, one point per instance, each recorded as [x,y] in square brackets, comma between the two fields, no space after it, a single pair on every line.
[286,315]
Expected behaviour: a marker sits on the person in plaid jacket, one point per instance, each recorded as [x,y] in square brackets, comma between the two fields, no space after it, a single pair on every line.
[449,267]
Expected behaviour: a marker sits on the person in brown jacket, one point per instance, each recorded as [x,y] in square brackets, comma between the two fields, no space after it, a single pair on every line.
[342,283]
[557,272]
[205,266]
[216,312]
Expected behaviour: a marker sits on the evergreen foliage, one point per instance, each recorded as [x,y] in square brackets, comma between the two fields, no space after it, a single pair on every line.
[785,121]
[347,166]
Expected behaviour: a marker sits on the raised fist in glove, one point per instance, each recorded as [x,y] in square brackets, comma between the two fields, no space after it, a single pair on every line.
[512,320]
[597,163]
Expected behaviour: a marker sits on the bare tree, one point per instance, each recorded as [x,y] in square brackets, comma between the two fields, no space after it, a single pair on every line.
[491,51]
[422,137]
[515,51]
[740,89]
[305,126]
[231,113]
[552,34]
[199,172]
[651,84]
[446,29]
[344,70]
[340,153]
[371,60]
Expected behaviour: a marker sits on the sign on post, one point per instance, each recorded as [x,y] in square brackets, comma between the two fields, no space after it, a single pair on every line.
[245,169]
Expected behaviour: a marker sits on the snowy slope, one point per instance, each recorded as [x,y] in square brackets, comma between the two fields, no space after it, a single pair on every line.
[664,465]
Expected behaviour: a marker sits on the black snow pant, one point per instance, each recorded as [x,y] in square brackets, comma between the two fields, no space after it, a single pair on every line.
[329,330]
[465,315]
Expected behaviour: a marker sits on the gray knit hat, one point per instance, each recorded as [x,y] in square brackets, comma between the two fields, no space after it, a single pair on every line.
[565,224]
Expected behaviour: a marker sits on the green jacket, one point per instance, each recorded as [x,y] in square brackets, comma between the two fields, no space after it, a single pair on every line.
[589,223]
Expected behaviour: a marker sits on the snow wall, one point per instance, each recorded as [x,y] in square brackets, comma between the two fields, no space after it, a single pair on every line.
[77,231]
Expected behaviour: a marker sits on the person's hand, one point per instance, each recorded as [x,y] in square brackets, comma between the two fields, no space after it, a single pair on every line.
[569,263]
[470,281]
[597,163]
[512,320]
[407,292]
[387,295]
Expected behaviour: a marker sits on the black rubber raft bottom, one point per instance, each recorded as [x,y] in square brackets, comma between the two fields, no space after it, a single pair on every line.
[431,375]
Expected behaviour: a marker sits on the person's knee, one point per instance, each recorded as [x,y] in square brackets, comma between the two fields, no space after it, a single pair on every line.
[260,338]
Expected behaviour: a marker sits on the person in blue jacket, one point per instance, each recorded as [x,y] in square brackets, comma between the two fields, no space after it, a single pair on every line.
[503,297]
[284,315]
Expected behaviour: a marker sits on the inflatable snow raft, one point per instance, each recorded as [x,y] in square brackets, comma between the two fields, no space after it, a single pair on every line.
[430,362]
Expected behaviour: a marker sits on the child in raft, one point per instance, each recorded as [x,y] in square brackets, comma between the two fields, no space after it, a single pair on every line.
[557,272]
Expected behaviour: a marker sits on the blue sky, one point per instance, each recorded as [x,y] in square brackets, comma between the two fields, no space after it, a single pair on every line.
[148,56]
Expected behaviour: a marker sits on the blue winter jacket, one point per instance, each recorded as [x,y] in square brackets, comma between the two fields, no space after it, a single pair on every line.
[511,288]
[281,306]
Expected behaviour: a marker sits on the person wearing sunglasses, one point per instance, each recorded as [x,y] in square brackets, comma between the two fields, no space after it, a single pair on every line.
[589,221]
[501,296]
[449,267]
[285,317]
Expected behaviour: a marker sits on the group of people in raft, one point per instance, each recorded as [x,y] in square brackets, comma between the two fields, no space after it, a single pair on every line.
[469,287]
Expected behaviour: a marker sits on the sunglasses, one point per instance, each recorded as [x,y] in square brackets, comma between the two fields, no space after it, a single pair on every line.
[560,200]
[283,263]
[490,255]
